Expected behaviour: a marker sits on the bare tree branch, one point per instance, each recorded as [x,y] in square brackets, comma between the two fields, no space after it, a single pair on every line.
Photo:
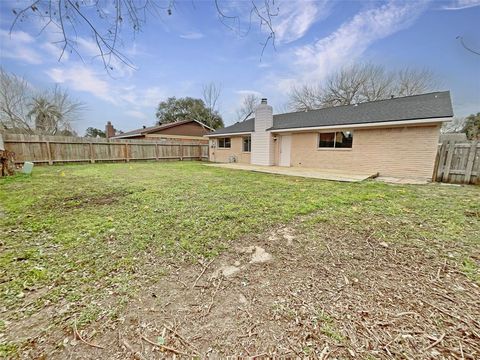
[249,104]
[361,83]
[457,125]
[211,94]
[24,110]
[467,47]
[81,18]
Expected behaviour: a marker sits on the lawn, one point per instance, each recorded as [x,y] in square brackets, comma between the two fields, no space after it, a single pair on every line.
[81,244]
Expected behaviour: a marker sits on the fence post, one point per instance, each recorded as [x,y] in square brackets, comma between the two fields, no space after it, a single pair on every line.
[436,165]
[92,159]
[181,151]
[156,151]
[109,150]
[441,165]
[126,153]
[470,160]
[49,153]
[448,163]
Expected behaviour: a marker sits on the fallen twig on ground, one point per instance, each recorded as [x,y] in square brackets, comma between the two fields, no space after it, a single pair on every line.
[135,354]
[182,339]
[168,348]
[76,334]
[324,353]
[213,297]
[201,274]
[438,341]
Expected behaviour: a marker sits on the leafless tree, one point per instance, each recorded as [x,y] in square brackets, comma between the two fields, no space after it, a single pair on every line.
[305,98]
[378,83]
[15,97]
[211,94]
[345,86]
[412,82]
[23,109]
[457,125]
[361,83]
[249,104]
[69,108]
[104,21]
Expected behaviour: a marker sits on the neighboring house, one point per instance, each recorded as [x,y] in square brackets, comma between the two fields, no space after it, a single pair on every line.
[397,137]
[191,131]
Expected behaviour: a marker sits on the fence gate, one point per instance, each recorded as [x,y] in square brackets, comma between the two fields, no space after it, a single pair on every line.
[458,162]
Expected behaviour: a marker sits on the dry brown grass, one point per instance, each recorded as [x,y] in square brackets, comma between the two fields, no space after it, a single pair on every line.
[326,293]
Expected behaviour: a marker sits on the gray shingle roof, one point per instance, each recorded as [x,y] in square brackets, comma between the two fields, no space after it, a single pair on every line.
[239,127]
[424,106]
[155,128]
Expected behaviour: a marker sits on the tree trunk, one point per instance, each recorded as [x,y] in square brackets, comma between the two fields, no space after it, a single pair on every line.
[7,163]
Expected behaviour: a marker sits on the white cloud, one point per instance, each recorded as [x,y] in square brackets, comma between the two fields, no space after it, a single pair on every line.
[136,114]
[461,4]
[18,45]
[151,96]
[248,92]
[296,17]
[290,19]
[55,51]
[87,46]
[81,78]
[347,44]
[192,36]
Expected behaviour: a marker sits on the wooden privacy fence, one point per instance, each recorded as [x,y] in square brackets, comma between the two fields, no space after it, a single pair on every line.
[458,162]
[63,149]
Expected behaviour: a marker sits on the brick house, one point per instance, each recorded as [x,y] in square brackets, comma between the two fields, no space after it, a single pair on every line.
[397,137]
[190,131]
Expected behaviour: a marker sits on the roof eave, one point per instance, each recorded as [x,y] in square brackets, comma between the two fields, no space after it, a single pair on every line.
[229,134]
[125,136]
[366,125]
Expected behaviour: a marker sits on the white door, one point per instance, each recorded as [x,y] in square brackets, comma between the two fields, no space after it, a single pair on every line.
[285,147]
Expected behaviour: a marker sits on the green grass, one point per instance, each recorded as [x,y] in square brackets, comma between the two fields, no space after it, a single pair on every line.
[80,233]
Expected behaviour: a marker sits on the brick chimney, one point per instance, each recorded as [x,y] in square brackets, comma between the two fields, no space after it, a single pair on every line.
[262,140]
[109,130]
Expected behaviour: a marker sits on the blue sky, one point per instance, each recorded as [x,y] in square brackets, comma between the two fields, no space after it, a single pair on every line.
[176,55]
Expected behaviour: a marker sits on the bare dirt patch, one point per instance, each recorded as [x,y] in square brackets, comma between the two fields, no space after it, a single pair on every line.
[327,293]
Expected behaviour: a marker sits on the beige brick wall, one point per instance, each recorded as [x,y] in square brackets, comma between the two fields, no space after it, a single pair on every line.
[399,152]
[223,155]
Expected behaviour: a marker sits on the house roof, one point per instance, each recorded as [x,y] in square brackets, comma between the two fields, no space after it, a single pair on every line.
[153,129]
[245,126]
[425,106]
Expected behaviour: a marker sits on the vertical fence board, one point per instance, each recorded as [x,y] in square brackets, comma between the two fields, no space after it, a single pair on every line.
[448,163]
[469,165]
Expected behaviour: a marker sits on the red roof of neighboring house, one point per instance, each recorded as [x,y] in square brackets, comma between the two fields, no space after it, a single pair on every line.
[156,128]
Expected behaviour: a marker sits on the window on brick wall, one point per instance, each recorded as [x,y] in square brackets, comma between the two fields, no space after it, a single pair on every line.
[247,144]
[336,140]
[224,143]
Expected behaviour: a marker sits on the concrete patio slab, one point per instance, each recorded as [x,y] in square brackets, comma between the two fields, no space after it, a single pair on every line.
[401,181]
[324,174]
